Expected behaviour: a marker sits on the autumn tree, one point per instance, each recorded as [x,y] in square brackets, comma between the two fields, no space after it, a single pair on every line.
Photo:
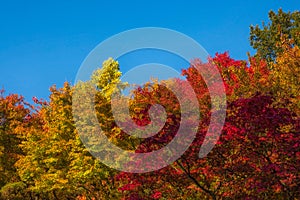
[56,164]
[15,117]
[50,151]
[282,24]
[258,150]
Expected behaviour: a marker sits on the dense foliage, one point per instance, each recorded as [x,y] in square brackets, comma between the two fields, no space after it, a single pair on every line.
[281,24]
[256,157]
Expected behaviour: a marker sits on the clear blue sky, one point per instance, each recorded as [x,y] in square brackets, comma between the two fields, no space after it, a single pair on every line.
[44,42]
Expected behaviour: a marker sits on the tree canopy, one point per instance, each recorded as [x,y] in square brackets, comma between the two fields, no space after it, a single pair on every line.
[43,147]
[282,25]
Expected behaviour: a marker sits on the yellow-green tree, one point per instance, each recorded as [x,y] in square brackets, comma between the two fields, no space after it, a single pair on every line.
[265,39]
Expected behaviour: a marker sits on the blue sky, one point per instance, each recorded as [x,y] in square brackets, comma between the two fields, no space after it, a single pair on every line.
[44,42]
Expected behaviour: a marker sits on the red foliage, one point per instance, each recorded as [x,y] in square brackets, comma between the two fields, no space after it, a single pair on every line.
[256,156]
